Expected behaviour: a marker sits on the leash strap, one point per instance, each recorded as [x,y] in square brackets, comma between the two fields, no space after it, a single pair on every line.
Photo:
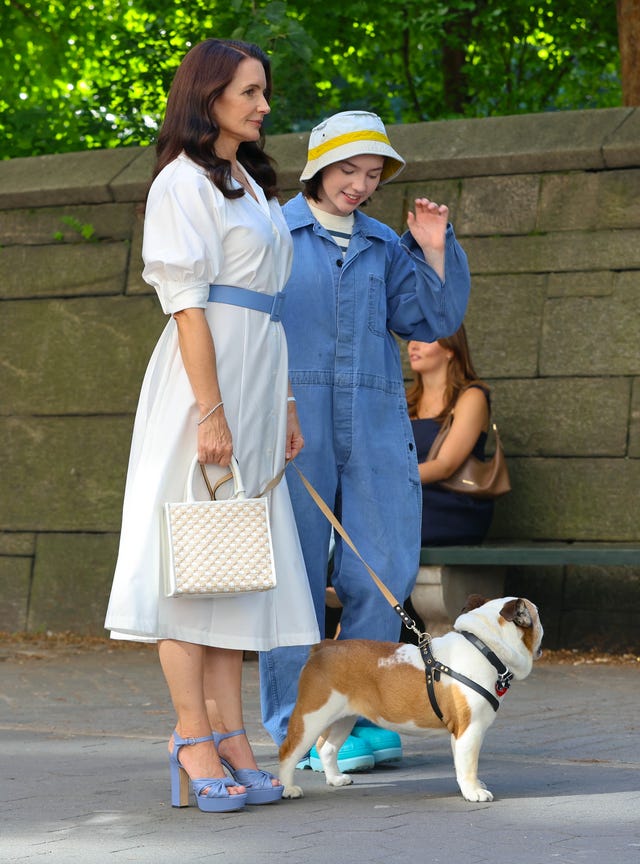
[407,620]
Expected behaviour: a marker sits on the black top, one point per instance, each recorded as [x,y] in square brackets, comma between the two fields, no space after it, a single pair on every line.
[450,518]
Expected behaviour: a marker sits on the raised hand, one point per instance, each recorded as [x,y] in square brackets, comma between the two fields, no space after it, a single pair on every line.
[428,226]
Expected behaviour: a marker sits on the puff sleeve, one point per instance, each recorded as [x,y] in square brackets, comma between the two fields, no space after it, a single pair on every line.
[182,247]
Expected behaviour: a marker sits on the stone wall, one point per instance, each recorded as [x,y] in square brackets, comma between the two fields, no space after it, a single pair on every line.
[548,209]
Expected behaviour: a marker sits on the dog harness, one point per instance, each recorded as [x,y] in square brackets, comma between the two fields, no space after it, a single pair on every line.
[433,670]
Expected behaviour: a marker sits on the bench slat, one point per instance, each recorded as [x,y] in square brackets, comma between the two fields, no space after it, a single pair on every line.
[614,554]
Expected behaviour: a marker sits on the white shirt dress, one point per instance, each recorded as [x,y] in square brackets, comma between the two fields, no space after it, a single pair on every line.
[195,236]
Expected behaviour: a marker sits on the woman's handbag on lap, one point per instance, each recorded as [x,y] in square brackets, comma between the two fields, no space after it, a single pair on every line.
[489,479]
[217,548]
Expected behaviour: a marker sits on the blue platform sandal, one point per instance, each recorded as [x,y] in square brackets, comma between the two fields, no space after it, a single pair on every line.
[259,785]
[212,794]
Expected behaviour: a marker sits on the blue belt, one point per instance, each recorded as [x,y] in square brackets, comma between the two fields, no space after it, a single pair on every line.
[248,299]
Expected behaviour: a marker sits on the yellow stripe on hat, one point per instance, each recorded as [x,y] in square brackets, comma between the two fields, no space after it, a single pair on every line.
[347,138]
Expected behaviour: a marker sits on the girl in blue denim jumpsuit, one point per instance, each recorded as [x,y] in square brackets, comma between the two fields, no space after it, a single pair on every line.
[340,314]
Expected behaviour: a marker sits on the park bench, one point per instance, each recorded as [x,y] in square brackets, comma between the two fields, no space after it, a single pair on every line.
[448,574]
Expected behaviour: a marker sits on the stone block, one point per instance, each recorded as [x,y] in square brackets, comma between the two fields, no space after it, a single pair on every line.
[634,424]
[503,322]
[563,416]
[63,473]
[599,283]
[570,499]
[65,270]
[76,356]
[514,214]
[618,204]
[586,336]
[132,182]
[15,581]
[519,144]
[71,582]
[620,146]
[589,200]
[556,252]
[44,225]
[568,202]
[17,543]
[62,178]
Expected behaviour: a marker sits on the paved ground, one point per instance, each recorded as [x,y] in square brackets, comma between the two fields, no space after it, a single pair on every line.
[84,776]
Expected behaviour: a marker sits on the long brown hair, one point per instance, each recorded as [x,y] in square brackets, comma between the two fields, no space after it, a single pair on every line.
[189,126]
[460,375]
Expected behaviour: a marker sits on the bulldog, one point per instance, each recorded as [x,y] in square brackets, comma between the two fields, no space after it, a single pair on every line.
[456,681]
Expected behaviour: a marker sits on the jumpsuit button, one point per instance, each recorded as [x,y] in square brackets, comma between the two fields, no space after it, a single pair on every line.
[410,447]
[339,262]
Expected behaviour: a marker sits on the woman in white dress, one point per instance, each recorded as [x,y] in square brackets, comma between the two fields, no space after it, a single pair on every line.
[216,384]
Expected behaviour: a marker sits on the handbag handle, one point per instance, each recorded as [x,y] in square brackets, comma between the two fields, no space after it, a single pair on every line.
[239,492]
[234,474]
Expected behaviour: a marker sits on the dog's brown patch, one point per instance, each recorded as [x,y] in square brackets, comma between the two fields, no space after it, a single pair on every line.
[378,685]
[473,601]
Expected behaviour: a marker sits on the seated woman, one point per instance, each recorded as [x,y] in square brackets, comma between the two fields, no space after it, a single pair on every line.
[445,381]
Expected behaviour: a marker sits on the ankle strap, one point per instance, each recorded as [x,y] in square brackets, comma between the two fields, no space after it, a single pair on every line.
[220,736]
[181,742]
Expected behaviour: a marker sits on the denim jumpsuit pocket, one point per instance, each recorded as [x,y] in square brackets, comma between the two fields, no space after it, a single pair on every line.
[410,450]
[377,306]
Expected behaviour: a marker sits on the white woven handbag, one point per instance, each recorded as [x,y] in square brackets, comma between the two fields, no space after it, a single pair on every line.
[217,548]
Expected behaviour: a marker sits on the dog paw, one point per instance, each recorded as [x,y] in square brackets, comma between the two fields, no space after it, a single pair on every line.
[293,792]
[477,793]
[339,780]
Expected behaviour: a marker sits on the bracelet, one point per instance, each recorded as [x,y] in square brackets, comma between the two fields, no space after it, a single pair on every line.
[208,414]
[291,398]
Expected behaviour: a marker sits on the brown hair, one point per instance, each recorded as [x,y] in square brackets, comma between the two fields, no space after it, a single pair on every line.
[460,375]
[189,126]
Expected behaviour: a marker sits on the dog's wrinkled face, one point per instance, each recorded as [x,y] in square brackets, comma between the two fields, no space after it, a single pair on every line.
[524,614]
[510,626]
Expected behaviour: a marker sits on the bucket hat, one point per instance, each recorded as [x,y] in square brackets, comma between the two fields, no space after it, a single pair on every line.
[351,133]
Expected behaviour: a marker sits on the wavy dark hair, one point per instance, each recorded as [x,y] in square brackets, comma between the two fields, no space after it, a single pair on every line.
[189,126]
[460,375]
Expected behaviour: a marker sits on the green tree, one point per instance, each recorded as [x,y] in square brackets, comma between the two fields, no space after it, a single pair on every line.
[77,74]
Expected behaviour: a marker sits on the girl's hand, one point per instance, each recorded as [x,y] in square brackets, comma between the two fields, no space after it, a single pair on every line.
[428,226]
[295,441]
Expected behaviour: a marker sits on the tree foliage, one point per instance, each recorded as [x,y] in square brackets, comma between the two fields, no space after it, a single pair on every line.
[79,74]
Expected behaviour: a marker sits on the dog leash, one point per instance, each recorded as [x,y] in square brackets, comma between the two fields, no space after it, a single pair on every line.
[433,667]
[407,620]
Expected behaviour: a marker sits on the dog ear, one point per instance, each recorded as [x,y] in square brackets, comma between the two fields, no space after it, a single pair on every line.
[472,602]
[517,611]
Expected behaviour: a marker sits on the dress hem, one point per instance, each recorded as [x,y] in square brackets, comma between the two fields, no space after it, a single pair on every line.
[239,643]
